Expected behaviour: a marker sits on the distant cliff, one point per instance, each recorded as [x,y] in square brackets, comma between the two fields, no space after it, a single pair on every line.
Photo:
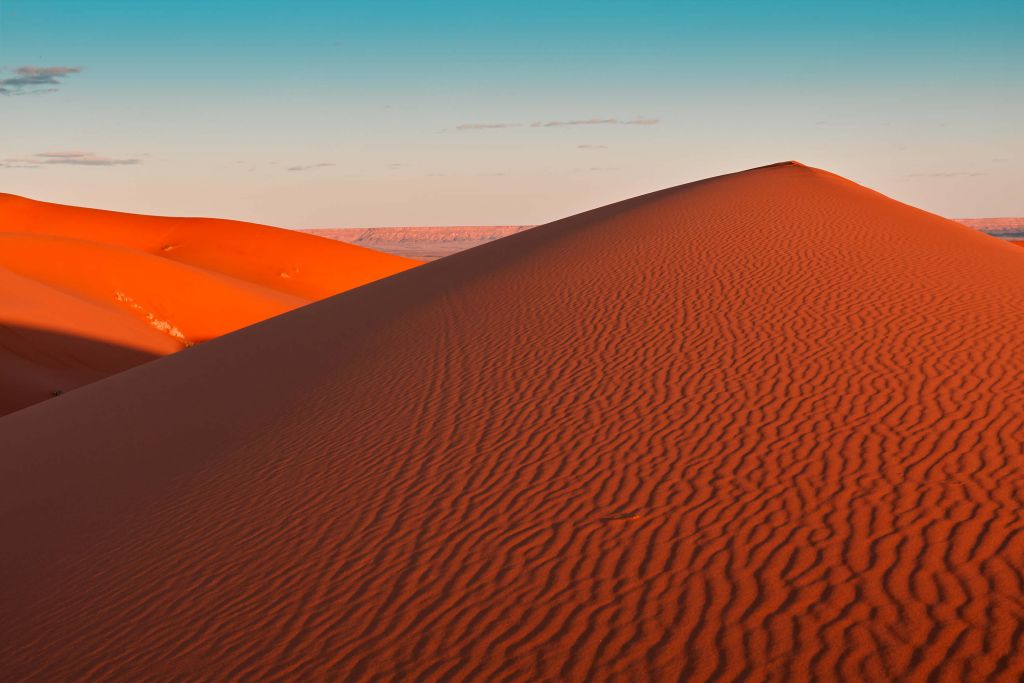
[1001,227]
[426,243]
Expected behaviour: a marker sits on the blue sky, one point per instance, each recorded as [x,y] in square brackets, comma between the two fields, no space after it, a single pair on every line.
[399,113]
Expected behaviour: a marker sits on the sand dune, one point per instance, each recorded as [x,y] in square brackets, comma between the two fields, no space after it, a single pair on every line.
[132,288]
[763,426]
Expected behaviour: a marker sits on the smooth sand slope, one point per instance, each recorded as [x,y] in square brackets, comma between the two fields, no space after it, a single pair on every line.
[766,425]
[86,293]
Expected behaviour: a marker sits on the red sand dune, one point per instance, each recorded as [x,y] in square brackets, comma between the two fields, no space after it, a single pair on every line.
[766,425]
[86,293]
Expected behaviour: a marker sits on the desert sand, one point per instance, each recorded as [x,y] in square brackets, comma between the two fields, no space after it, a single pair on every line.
[86,293]
[762,426]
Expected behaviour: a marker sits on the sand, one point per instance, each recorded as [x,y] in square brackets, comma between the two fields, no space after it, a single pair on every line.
[763,426]
[88,293]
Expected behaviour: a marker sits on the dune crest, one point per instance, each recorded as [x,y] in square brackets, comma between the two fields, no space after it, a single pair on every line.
[761,426]
[114,279]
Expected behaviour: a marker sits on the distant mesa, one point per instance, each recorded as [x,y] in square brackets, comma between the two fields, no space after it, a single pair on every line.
[86,293]
[423,243]
[994,225]
[1010,228]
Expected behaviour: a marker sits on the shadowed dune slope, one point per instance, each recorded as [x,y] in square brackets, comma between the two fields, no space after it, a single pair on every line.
[146,285]
[766,425]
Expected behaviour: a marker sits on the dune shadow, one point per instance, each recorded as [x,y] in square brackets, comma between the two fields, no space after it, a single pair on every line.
[37,365]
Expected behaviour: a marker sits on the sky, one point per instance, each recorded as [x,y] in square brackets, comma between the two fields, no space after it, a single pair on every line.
[351,113]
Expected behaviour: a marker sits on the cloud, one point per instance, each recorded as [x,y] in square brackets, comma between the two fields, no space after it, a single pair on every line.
[950,174]
[83,159]
[35,80]
[486,126]
[640,121]
[591,146]
[596,122]
[66,158]
[306,167]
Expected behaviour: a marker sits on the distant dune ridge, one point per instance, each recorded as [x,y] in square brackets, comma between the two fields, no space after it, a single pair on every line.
[766,425]
[86,293]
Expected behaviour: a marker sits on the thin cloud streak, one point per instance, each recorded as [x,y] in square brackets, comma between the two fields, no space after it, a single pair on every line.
[307,167]
[950,174]
[68,159]
[596,122]
[486,126]
[639,121]
[83,159]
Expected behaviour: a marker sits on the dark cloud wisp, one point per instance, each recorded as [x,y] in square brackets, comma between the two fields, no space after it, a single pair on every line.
[83,159]
[306,167]
[29,80]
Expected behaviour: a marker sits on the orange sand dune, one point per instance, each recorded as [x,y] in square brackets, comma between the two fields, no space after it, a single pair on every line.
[766,425]
[285,260]
[131,288]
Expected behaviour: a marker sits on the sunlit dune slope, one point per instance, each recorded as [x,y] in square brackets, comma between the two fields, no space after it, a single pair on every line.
[766,425]
[286,260]
[132,288]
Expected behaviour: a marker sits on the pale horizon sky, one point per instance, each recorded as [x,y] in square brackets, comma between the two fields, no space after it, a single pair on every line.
[330,114]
